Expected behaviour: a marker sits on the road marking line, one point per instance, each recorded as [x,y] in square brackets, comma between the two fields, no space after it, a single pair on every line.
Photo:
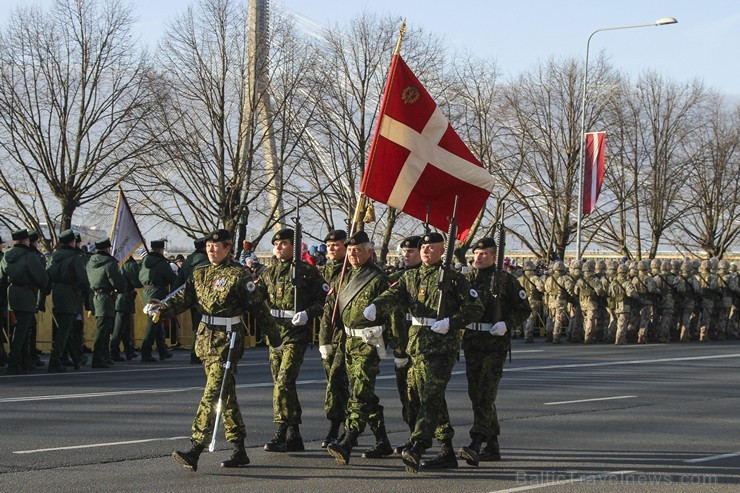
[579,479]
[93,445]
[591,400]
[711,457]
[627,362]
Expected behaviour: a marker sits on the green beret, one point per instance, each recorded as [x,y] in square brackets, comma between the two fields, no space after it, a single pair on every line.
[484,243]
[336,235]
[283,234]
[102,244]
[218,235]
[66,236]
[157,244]
[411,242]
[431,238]
[20,234]
[33,235]
[358,238]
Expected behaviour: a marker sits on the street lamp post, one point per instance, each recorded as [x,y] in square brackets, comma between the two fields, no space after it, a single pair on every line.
[663,21]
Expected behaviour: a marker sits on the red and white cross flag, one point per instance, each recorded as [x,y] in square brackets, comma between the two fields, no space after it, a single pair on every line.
[416,158]
[593,173]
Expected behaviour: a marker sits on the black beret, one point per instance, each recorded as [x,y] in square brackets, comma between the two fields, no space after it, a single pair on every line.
[431,238]
[66,236]
[20,234]
[157,244]
[218,235]
[336,235]
[199,243]
[358,238]
[33,235]
[78,237]
[411,242]
[283,234]
[484,243]
[101,244]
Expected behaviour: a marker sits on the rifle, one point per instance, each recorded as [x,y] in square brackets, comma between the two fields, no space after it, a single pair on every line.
[295,274]
[498,279]
[219,406]
[444,275]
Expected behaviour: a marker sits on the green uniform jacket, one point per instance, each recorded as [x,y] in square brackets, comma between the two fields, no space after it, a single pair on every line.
[192,261]
[156,277]
[23,275]
[399,323]
[515,308]
[223,290]
[276,286]
[68,278]
[125,300]
[331,272]
[105,282]
[417,290]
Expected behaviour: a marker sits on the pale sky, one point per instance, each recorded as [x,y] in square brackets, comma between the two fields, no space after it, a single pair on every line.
[705,43]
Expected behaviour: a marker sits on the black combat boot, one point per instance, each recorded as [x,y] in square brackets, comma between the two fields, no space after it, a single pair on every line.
[471,453]
[333,433]
[412,457]
[344,435]
[382,447]
[277,444]
[189,459]
[491,452]
[341,451]
[238,456]
[445,458]
[399,450]
[294,440]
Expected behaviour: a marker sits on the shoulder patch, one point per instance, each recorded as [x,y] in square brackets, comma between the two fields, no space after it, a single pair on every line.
[325,287]
[473,293]
[522,294]
[251,286]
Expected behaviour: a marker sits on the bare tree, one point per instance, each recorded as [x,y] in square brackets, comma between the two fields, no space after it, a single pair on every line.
[75,95]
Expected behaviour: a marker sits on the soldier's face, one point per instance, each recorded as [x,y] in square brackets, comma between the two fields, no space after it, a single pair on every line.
[217,251]
[431,253]
[335,250]
[283,249]
[483,258]
[357,255]
[410,256]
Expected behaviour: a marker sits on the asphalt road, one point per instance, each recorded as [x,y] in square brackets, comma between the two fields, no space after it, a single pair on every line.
[574,418]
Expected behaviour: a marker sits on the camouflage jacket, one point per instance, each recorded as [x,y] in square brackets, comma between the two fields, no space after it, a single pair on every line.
[156,277]
[417,290]
[400,322]
[590,288]
[534,286]
[23,275]
[623,294]
[105,281]
[560,289]
[331,272]
[647,290]
[68,280]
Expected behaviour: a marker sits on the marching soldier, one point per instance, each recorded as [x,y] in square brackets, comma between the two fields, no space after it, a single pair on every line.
[646,290]
[363,348]
[125,308]
[610,330]
[3,316]
[710,294]
[534,286]
[691,301]
[668,288]
[590,288]
[157,279]
[33,354]
[196,259]
[486,344]
[625,297]
[433,345]
[294,324]
[557,287]
[575,322]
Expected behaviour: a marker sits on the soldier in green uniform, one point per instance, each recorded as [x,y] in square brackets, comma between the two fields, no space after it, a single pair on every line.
[33,355]
[22,275]
[486,343]
[68,286]
[294,324]
[157,278]
[223,293]
[125,307]
[330,341]
[193,261]
[433,346]
[105,282]
[534,286]
[363,348]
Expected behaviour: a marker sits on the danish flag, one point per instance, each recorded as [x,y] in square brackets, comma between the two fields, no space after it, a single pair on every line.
[593,172]
[417,159]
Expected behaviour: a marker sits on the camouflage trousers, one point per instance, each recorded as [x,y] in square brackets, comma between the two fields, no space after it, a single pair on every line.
[667,320]
[723,319]
[285,366]
[623,319]
[533,320]
[429,376]
[484,371]
[101,346]
[590,326]
[575,324]
[402,384]
[707,306]
[610,326]
[558,320]
[686,321]
[231,415]
[337,386]
[363,365]
[646,317]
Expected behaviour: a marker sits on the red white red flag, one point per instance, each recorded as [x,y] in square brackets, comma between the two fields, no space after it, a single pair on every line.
[416,158]
[593,175]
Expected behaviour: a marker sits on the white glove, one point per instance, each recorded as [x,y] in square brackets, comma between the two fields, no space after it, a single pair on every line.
[300,318]
[326,351]
[400,362]
[441,326]
[498,329]
[154,306]
[370,313]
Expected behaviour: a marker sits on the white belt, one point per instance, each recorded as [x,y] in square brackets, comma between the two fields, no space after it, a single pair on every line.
[428,322]
[221,321]
[480,326]
[360,332]
[282,313]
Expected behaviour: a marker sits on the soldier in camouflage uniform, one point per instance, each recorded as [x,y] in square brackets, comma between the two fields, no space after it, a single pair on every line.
[610,323]
[646,290]
[691,301]
[3,316]
[728,284]
[69,284]
[589,289]
[105,281]
[557,287]
[158,280]
[125,308]
[363,348]
[668,286]
[625,296]
[575,322]
[197,258]
[732,332]
[534,286]
[486,343]
[330,341]
[22,275]
[223,293]
[294,324]
[710,295]
[433,345]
